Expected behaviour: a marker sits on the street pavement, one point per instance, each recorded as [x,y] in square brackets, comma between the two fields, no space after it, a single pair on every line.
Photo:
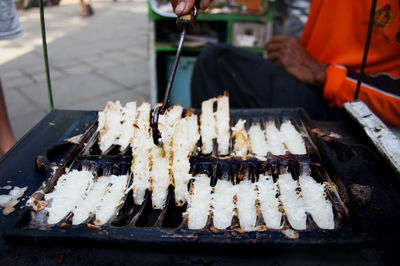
[92,60]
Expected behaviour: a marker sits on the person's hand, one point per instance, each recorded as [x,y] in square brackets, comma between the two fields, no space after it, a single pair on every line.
[182,7]
[287,53]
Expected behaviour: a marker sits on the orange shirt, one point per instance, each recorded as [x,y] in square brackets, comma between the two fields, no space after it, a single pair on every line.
[335,34]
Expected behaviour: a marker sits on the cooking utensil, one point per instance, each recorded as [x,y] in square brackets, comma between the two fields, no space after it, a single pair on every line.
[184,23]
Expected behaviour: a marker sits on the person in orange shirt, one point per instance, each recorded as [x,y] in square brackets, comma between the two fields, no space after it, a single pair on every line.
[319,72]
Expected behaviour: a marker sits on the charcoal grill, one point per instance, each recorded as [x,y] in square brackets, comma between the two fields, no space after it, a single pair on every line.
[142,225]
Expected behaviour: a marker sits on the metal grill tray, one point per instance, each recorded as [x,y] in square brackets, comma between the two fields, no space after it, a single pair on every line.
[143,225]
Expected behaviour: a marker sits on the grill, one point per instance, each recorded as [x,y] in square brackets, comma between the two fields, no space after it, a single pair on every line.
[142,224]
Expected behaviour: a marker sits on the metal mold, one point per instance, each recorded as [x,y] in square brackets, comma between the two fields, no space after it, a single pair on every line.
[142,224]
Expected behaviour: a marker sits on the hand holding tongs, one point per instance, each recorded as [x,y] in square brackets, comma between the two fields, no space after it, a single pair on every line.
[184,23]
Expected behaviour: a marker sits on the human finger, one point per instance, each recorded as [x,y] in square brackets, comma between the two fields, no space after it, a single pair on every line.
[276,40]
[204,4]
[275,57]
[272,47]
[279,39]
[182,7]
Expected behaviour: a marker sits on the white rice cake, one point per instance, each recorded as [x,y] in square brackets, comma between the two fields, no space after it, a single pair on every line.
[292,138]
[141,173]
[109,122]
[180,169]
[207,126]
[222,202]
[246,204]
[292,201]
[269,203]
[193,134]
[143,117]
[88,206]
[257,140]
[186,134]
[159,174]
[199,202]
[141,144]
[274,139]
[239,134]
[126,127]
[112,199]
[184,141]
[166,125]
[316,203]
[222,119]
[68,192]
[115,125]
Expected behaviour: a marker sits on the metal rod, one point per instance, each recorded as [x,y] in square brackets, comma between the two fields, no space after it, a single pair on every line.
[45,57]
[158,110]
[172,75]
[367,42]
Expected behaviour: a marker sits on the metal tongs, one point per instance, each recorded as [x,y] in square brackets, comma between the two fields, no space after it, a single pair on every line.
[184,23]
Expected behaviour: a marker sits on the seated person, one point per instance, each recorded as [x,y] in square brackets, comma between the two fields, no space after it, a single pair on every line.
[318,72]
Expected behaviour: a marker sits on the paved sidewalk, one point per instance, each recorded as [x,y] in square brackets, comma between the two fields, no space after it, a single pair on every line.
[92,60]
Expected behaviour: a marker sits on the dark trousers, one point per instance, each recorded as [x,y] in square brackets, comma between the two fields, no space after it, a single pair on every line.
[253,82]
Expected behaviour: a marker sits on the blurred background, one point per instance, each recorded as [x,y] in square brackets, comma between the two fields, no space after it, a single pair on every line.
[124,51]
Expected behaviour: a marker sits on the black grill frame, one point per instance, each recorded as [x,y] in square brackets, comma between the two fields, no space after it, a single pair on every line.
[351,232]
